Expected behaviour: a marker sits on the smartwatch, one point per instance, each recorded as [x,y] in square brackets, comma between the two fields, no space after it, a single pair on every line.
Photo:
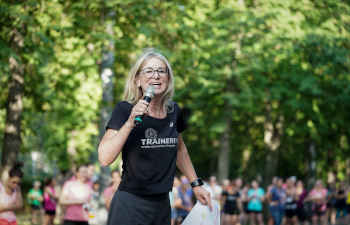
[198,182]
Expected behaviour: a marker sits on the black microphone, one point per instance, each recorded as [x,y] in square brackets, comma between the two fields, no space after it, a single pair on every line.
[149,94]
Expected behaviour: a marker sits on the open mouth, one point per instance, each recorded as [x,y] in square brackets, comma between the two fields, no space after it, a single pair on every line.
[155,84]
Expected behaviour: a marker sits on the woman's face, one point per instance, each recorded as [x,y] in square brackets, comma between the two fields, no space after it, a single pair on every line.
[255,184]
[81,174]
[53,183]
[300,184]
[160,83]
[319,185]
[14,181]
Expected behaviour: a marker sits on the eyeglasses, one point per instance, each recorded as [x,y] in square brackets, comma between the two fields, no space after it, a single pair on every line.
[149,73]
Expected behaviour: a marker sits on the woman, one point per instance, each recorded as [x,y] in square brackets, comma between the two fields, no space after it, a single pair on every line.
[340,196]
[232,205]
[50,201]
[245,201]
[291,204]
[10,196]
[277,196]
[150,150]
[331,203]
[109,191]
[347,219]
[301,195]
[184,202]
[255,198]
[225,185]
[318,196]
[35,199]
[75,196]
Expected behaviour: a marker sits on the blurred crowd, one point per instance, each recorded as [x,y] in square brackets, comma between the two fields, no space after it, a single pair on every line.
[286,202]
[77,202]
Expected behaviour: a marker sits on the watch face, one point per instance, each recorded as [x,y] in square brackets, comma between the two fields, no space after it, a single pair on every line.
[200,181]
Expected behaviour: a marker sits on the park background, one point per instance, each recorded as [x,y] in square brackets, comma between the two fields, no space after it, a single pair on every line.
[264,85]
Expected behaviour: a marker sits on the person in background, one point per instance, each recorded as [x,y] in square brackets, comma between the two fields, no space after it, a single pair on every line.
[245,201]
[90,173]
[293,180]
[268,198]
[318,196]
[225,184]
[232,205]
[291,203]
[109,191]
[184,206]
[10,196]
[189,190]
[75,196]
[174,198]
[213,188]
[301,195]
[331,203]
[96,189]
[35,199]
[256,197]
[239,184]
[340,196]
[277,197]
[50,200]
[347,218]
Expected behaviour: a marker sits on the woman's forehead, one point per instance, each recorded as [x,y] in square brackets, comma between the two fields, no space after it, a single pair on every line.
[154,63]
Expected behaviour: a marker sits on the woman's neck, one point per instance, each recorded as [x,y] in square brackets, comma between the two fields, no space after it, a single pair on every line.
[7,188]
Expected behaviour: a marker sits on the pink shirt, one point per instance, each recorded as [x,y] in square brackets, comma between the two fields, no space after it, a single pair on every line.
[108,192]
[7,200]
[77,191]
[317,194]
[88,181]
[49,203]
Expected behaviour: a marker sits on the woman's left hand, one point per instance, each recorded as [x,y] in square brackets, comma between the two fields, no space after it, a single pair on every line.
[203,196]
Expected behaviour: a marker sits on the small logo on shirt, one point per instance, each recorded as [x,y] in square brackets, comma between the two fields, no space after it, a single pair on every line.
[151,133]
[171,124]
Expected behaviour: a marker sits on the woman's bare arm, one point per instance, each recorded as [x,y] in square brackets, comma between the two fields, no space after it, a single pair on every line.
[15,207]
[113,141]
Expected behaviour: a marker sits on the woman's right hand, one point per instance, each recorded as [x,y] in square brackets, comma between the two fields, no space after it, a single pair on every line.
[141,108]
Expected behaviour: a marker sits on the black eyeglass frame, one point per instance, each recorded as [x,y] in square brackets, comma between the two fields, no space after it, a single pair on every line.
[154,72]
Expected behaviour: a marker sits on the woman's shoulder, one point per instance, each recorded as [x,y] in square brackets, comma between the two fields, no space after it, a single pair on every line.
[175,105]
[124,104]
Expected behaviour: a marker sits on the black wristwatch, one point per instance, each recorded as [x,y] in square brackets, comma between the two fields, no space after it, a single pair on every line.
[198,182]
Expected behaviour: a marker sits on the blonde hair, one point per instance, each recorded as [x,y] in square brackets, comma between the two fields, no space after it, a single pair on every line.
[132,93]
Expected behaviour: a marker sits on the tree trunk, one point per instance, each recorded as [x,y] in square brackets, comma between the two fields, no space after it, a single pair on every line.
[272,138]
[14,107]
[225,148]
[107,106]
[312,171]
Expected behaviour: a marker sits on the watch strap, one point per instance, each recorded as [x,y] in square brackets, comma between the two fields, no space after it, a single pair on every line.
[197,182]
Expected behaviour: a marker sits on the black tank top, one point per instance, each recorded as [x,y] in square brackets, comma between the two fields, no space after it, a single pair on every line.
[341,201]
[290,203]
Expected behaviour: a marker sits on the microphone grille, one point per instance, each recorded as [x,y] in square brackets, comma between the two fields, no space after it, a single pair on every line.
[151,89]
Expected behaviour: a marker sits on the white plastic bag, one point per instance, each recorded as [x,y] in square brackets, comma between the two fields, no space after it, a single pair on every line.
[202,215]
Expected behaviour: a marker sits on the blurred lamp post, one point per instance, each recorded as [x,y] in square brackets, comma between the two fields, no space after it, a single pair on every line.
[35,156]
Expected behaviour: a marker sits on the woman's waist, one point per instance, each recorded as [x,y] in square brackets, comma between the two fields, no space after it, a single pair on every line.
[8,215]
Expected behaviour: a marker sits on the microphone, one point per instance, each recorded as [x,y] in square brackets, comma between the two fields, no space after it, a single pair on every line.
[148,95]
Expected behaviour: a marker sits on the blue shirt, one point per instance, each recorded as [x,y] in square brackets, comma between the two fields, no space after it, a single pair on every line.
[255,203]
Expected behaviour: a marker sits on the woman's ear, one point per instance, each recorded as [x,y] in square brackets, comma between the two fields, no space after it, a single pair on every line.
[137,81]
